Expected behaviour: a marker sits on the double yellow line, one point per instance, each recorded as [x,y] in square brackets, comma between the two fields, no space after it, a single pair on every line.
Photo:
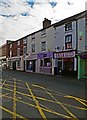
[36,102]
[14,101]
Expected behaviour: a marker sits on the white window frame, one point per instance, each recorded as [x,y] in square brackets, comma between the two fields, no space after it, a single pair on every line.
[32,48]
[44,47]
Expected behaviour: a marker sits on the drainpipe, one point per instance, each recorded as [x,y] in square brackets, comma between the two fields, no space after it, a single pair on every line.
[77,44]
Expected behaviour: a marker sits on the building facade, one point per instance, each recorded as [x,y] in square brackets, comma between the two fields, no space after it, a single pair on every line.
[58,49]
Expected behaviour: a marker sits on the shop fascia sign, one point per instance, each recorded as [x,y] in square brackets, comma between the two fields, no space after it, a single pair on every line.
[64,55]
[45,55]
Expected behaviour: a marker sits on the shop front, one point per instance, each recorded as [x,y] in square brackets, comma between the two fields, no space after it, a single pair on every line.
[82,65]
[45,62]
[30,63]
[65,63]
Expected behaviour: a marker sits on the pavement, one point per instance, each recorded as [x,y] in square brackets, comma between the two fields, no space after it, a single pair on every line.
[36,96]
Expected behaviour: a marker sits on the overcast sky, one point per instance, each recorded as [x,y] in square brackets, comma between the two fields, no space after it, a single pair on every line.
[22,17]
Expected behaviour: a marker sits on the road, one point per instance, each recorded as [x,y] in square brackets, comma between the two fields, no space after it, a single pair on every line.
[29,96]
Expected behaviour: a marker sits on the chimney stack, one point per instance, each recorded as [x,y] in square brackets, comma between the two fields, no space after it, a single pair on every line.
[46,23]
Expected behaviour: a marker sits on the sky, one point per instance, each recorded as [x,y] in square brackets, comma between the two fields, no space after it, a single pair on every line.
[19,18]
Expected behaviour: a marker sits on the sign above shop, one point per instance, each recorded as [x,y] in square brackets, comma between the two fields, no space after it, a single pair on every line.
[45,55]
[69,54]
[84,56]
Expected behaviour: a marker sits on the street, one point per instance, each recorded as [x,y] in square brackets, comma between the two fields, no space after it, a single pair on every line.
[31,95]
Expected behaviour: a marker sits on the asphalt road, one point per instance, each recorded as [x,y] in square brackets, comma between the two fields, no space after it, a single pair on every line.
[32,96]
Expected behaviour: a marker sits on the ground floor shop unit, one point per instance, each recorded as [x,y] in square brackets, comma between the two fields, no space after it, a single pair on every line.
[45,62]
[4,62]
[31,63]
[65,63]
[82,65]
[16,63]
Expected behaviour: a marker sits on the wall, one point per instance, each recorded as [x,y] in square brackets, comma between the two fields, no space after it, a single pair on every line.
[81,32]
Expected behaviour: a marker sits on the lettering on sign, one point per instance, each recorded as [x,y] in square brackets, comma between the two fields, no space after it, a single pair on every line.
[64,55]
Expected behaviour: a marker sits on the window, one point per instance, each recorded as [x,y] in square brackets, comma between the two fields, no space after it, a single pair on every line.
[25,50]
[43,46]
[18,42]
[18,63]
[68,26]
[68,42]
[24,40]
[10,45]
[33,48]
[47,62]
[10,53]
[32,37]
[43,33]
[18,51]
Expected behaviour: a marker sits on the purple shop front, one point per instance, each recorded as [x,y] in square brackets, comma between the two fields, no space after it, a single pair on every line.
[45,62]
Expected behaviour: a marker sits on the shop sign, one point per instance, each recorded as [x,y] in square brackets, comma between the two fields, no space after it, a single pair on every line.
[64,55]
[31,56]
[45,55]
[84,56]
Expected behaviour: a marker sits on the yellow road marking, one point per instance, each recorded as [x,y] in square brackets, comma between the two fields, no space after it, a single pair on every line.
[5,109]
[3,83]
[69,96]
[14,102]
[16,86]
[44,99]
[57,102]
[71,114]
[36,102]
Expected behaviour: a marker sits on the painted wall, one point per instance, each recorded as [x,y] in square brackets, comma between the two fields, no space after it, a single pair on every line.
[60,34]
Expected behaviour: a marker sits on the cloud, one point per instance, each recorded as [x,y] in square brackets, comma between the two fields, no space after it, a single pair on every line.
[22,17]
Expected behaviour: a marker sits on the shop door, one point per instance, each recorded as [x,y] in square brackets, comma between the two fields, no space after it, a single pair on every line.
[33,65]
[24,65]
[14,65]
[59,67]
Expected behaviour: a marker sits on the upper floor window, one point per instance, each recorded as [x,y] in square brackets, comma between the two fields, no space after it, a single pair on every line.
[24,40]
[10,53]
[18,51]
[33,48]
[18,42]
[68,42]
[43,33]
[10,45]
[68,26]
[43,46]
[32,37]
[25,50]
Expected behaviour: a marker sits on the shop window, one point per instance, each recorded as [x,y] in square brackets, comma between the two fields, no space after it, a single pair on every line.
[68,64]
[18,63]
[43,46]
[68,26]
[85,67]
[33,48]
[47,62]
[68,42]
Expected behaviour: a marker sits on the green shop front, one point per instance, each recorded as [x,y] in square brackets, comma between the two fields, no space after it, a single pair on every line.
[82,65]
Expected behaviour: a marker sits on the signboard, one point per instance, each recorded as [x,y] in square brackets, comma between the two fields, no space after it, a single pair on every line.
[45,55]
[64,54]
